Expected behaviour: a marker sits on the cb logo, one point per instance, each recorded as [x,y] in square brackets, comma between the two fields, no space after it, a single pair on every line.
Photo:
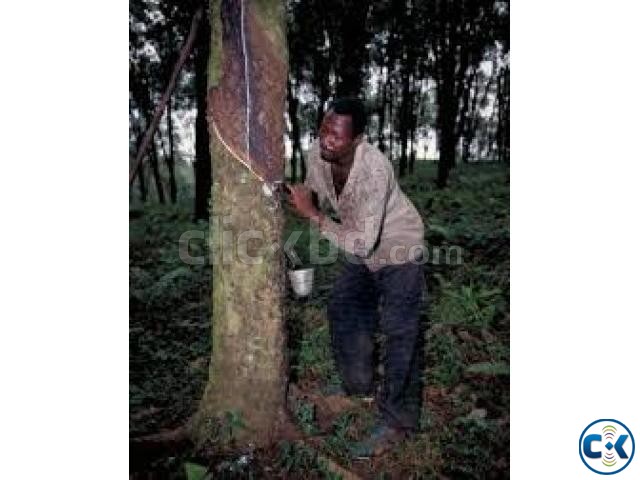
[607,446]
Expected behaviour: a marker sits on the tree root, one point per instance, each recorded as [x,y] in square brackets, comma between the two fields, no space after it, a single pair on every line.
[146,448]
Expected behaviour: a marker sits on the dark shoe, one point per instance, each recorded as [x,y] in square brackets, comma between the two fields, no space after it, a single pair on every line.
[382,439]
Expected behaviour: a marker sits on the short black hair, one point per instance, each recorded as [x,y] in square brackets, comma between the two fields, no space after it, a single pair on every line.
[353,107]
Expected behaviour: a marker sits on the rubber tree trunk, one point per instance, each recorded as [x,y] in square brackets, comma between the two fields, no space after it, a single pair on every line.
[247,373]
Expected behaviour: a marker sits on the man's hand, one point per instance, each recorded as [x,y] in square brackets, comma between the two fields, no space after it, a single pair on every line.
[301,200]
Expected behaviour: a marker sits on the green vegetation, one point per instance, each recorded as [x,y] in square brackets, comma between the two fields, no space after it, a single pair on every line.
[464,430]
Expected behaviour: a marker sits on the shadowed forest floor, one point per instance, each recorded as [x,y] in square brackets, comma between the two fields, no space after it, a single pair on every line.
[464,428]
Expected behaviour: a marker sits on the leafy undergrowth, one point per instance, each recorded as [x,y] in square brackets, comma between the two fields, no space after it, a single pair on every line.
[169,333]
[464,428]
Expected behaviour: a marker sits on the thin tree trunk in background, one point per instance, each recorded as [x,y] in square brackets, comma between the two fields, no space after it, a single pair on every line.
[303,165]
[296,150]
[483,136]
[156,171]
[493,119]
[170,128]
[469,112]
[503,119]
[324,95]
[202,164]
[146,99]
[163,148]
[381,109]
[447,109]
[500,125]
[142,185]
[321,82]
[388,87]
[413,120]
[141,180]
[392,97]
[247,372]
[404,122]
[170,158]
[412,151]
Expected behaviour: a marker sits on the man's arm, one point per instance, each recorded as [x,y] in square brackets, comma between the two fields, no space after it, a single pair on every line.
[358,233]
[313,177]
[360,229]
[312,182]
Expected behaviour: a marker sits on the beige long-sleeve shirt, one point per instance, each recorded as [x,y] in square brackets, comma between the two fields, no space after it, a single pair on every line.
[378,223]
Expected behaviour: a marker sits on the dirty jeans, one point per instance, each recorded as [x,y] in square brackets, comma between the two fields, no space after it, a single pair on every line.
[389,301]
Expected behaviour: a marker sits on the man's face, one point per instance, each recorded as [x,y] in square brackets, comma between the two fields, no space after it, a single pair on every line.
[336,138]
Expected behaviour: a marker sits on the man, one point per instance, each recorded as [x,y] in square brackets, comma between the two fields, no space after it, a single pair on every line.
[382,234]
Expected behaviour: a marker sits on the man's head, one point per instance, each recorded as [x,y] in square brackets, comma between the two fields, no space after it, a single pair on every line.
[341,130]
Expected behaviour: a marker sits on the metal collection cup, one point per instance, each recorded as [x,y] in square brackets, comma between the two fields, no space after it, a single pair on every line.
[301,281]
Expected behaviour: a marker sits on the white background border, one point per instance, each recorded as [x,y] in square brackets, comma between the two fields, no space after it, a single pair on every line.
[574,226]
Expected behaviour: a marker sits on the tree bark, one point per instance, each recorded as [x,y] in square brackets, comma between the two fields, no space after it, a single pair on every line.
[142,185]
[321,69]
[413,123]
[141,180]
[381,110]
[404,122]
[156,172]
[469,112]
[483,134]
[170,158]
[323,96]
[447,109]
[296,148]
[503,116]
[392,136]
[407,123]
[247,373]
